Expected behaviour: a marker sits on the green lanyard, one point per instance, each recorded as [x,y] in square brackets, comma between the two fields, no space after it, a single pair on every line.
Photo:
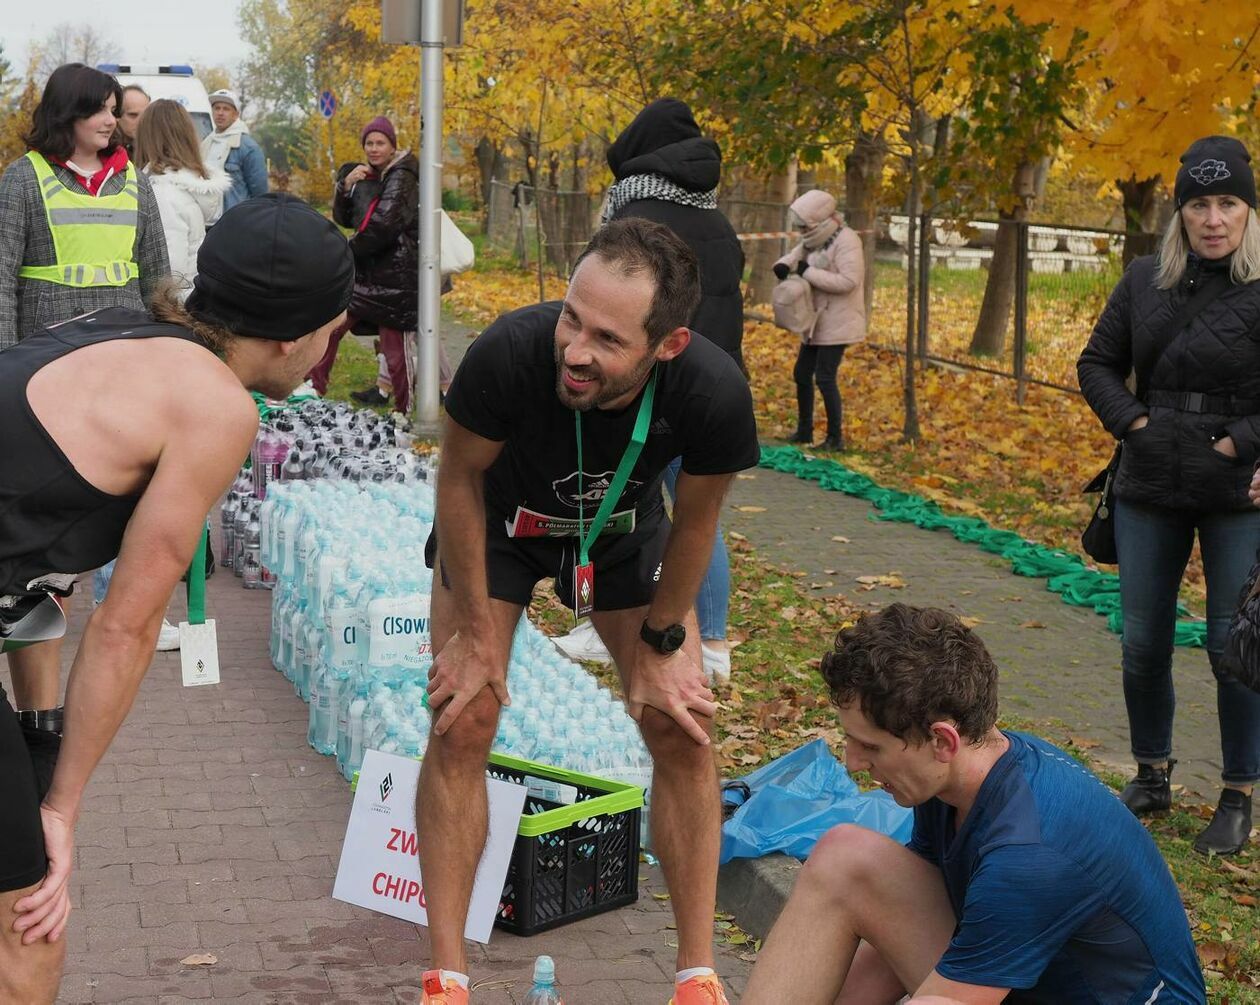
[628,460]
[196,582]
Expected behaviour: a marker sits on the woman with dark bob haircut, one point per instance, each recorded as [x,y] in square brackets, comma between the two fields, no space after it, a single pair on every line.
[81,232]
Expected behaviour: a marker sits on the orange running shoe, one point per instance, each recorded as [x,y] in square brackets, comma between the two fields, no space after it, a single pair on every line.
[706,990]
[433,992]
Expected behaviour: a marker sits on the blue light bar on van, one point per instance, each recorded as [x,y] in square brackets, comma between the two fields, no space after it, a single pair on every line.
[174,70]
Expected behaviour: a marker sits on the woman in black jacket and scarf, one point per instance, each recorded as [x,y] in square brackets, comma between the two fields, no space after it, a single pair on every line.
[1190,443]
[380,201]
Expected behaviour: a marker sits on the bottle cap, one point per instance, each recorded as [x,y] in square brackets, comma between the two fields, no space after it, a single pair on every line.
[544,970]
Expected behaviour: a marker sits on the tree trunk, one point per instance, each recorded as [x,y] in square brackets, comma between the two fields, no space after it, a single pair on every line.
[989,337]
[491,167]
[781,190]
[910,431]
[863,178]
[1141,216]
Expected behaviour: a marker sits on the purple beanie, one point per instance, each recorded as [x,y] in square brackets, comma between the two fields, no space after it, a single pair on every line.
[381,125]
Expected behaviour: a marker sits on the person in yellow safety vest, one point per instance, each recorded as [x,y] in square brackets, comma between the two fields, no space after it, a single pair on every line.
[81,231]
[81,224]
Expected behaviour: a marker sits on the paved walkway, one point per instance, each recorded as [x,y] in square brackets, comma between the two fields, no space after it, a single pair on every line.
[211,827]
[1064,673]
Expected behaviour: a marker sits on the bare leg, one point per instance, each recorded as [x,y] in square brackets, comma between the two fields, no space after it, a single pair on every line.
[28,974]
[451,810]
[686,805]
[857,885]
[37,675]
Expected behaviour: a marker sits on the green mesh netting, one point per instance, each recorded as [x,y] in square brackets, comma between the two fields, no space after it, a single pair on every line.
[1064,573]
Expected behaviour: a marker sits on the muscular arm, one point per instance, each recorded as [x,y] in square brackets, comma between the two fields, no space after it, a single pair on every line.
[696,510]
[465,663]
[196,466]
[461,521]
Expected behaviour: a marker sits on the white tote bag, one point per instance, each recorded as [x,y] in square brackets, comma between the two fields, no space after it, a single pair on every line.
[457,250]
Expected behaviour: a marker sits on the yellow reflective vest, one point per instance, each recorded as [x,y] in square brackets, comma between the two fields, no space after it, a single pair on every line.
[94,236]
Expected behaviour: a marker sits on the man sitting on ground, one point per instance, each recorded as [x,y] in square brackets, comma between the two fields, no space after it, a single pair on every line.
[1024,875]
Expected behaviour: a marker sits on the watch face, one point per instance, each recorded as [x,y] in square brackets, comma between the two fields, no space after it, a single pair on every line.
[672,638]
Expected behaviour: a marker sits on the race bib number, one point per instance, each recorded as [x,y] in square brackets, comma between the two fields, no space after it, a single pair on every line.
[530,523]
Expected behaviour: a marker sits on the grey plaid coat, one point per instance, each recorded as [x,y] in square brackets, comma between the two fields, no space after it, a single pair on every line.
[27,305]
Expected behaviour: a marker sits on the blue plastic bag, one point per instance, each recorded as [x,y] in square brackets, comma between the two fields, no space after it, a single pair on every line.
[797,798]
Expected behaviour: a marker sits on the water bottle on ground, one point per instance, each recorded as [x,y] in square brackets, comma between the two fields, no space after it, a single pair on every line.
[544,990]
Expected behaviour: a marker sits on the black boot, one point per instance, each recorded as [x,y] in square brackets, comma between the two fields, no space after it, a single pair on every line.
[1230,826]
[1149,791]
[833,443]
[801,436]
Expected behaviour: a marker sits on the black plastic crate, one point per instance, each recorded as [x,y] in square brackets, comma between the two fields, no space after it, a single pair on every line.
[570,861]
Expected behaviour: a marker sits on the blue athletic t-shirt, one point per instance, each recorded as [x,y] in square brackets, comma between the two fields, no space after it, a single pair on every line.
[1058,889]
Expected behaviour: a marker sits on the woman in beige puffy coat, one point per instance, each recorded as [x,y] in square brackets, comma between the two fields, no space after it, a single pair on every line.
[829,257]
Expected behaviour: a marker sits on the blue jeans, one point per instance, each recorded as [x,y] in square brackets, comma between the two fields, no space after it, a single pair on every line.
[1154,544]
[715,589]
[100,580]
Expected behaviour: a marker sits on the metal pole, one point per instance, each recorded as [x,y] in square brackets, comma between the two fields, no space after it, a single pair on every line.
[925,273]
[1021,309]
[427,346]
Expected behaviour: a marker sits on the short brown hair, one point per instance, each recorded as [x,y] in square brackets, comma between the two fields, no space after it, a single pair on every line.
[636,247]
[908,667]
[166,140]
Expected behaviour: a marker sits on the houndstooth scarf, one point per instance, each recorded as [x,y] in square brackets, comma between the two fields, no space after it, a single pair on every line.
[654,186]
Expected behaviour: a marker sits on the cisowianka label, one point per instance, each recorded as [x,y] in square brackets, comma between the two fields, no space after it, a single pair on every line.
[398,631]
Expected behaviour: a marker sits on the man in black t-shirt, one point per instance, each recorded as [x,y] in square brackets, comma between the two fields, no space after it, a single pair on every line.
[539,389]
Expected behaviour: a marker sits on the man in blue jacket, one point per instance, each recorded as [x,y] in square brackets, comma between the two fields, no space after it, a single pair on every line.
[230,148]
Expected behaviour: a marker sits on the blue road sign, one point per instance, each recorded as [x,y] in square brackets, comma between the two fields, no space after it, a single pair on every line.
[327,104]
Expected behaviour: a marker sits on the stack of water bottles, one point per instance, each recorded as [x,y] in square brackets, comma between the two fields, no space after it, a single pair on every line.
[350,625]
[314,439]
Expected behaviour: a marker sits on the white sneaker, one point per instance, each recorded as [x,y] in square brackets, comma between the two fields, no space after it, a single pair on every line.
[584,645]
[717,662]
[168,637]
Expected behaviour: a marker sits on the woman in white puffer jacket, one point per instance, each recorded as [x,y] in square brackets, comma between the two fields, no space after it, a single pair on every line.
[188,193]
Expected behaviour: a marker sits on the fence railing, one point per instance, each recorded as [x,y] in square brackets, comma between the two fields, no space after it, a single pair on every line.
[1028,323]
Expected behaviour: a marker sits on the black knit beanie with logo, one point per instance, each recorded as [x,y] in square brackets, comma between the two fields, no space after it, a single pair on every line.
[272,268]
[1215,165]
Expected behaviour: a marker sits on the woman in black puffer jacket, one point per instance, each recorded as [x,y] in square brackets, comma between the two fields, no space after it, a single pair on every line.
[380,201]
[1189,448]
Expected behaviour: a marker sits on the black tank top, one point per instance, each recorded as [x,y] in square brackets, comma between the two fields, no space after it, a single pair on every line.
[52,520]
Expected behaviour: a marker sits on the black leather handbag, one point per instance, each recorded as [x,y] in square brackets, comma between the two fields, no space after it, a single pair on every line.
[1241,658]
[1099,537]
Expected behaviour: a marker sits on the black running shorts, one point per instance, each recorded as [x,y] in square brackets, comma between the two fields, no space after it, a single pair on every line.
[627,566]
[22,859]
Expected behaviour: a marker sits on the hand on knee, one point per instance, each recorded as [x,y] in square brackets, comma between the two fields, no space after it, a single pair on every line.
[471,735]
[667,741]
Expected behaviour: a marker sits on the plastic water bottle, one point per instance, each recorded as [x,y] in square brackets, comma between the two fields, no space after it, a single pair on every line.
[544,990]
[251,572]
[227,523]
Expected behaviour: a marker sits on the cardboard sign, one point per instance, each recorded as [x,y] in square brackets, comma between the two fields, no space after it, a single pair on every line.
[379,869]
[199,653]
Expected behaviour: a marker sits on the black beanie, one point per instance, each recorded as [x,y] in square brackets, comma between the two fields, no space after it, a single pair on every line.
[1215,165]
[272,268]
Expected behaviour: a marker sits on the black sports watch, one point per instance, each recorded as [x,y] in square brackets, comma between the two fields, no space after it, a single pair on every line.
[667,640]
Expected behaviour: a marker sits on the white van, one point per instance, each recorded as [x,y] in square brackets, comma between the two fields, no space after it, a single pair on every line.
[176,82]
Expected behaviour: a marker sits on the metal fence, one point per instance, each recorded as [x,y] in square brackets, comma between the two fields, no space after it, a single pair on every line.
[1038,321]
[1059,278]
[540,224]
